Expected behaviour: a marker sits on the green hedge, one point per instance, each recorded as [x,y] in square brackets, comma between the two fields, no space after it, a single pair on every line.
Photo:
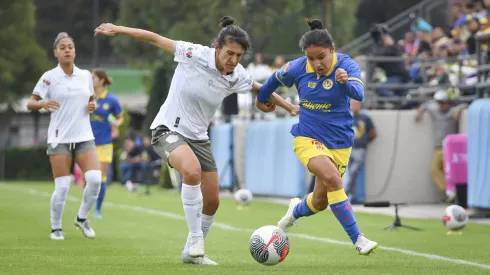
[30,163]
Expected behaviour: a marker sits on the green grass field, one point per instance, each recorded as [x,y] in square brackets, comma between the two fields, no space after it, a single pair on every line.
[145,234]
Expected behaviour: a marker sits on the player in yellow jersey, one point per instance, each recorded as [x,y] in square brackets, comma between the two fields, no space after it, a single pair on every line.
[323,137]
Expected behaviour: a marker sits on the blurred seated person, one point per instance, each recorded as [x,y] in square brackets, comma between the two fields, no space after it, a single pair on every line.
[153,160]
[418,70]
[395,71]
[438,76]
[131,161]
[418,24]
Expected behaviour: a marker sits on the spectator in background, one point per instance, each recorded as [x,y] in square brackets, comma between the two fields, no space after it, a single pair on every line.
[259,72]
[151,157]
[410,44]
[364,133]
[418,24]
[131,134]
[473,28]
[131,161]
[479,9]
[445,122]
[396,73]
[288,93]
[439,38]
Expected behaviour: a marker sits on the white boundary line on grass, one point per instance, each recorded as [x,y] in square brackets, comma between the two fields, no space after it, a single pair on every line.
[231,228]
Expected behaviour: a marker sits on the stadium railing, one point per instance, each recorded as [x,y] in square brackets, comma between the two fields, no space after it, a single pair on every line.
[418,92]
[399,22]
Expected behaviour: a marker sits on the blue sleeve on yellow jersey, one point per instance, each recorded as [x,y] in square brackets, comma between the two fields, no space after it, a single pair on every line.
[116,108]
[285,76]
[354,88]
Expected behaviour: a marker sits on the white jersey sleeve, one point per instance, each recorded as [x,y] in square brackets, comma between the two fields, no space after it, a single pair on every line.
[186,52]
[245,81]
[90,83]
[42,87]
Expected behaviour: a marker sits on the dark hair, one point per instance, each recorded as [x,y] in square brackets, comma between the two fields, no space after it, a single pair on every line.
[230,32]
[60,36]
[100,73]
[317,36]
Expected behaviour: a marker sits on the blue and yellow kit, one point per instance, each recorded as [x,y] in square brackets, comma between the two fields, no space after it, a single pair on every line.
[325,121]
[107,104]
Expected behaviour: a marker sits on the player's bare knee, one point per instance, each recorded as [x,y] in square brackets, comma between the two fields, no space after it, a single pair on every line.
[320,202]
[191,174]
[332,180]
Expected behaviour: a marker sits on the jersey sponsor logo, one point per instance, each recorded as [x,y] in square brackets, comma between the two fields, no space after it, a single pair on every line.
[311,85]
[94,117]
[324,107]
[327,84]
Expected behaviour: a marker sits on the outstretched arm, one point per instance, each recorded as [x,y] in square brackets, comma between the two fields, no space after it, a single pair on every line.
[275,99]
[149,37]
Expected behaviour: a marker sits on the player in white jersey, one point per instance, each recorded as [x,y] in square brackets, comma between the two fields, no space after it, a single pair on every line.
[203,78]
[68,93]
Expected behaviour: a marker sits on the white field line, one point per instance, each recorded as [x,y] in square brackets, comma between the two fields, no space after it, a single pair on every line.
[231,228]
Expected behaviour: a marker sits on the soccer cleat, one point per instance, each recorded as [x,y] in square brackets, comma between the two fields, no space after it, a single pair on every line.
[204,260]
[85,228]
[97,215]
[364,246]
[196,248]
[57,235]
[288,220]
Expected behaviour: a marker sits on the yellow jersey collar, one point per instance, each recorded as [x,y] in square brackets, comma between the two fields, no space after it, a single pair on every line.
[309,67]
[103,94]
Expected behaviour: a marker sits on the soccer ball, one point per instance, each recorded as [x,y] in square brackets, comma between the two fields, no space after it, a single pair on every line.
[243,197]
[455,217]
[269,245]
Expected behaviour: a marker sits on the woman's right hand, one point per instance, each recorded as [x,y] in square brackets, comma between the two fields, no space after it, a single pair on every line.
[107,29]
[50,105]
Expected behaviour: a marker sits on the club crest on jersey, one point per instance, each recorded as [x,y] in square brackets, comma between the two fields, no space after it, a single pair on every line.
[105,106]
[327,84]
[46,82]
[188,52]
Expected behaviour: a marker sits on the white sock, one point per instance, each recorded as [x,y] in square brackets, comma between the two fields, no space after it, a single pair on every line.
[58,199]
[207,222]
[192,201]
[90,193]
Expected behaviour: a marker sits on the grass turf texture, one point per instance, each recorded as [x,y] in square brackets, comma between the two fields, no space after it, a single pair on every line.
[145,235]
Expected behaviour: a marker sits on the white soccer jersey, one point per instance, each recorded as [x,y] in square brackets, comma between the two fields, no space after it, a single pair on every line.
[197,90]
[70,123]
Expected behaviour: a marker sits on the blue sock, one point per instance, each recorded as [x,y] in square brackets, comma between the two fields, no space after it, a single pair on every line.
[100,199]
[341,208]
[304,208]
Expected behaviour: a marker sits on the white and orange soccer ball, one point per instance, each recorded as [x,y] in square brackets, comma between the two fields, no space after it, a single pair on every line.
[455,217]
[269,245]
